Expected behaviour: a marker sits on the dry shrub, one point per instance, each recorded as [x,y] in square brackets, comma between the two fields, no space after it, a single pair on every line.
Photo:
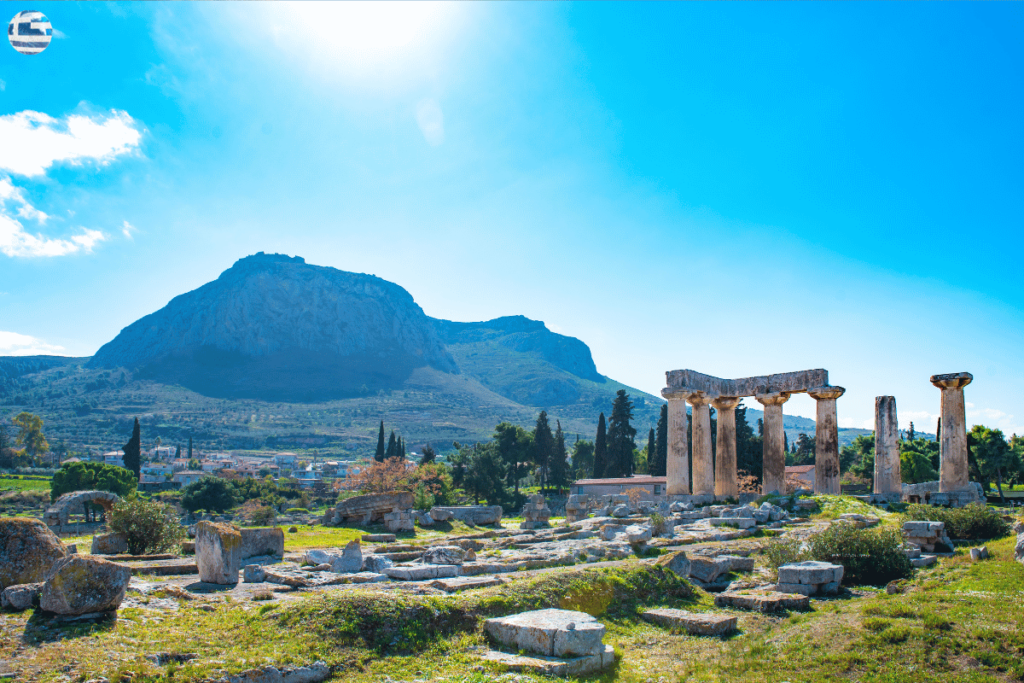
[747,482]
[636,494]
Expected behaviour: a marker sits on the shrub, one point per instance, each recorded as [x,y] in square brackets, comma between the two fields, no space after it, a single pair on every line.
[91,476]
[782,551]
[869,556]
[971,522]
[209,493]
[149,527]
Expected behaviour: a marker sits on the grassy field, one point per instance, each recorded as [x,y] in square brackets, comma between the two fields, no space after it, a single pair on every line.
[958,621]
[15,483]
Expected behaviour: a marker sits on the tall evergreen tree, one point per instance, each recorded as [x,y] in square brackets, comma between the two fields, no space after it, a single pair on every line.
[657,466]
[601,451]
[392,449]
[379,455]
[559,460]
[190,448]
[621,436]
[429,455]
[133,451]
[749,456]
[652,449]
[543,446]
[515,446]
[177,453]
[401,448]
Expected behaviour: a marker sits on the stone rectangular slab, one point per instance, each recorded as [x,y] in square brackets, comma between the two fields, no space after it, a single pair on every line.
[923,561]
[465,582]
[693,623]
[421,572]
[810,572]
[552,666]
[788,382]
[549,632]
[735,522]
[762,601]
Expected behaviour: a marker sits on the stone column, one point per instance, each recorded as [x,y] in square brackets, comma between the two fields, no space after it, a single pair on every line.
[703,465]
[887,450]
[677,466]
[725,460]
[774,454]
[953,444]
[826,440]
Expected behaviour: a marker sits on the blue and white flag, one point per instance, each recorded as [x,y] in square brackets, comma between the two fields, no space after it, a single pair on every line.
[29,32]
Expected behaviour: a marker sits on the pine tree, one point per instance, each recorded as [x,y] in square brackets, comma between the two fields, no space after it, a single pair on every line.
[657,466]
[379,455]
[621,436]
[559,460]
[429,455]
[543,446]
[133,451]
[601,450]
[392,449]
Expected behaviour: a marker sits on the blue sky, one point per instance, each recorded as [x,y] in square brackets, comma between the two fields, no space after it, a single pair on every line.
[737,188]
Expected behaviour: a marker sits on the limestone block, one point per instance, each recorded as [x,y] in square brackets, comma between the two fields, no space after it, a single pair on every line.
[621,511]
[444,555]
[810,572]
[693,623]
[84,585]
[551,632]
[677,562]
[761,515]
[738,563]
[762,601]
[707,569]
[369,508]
[21,596]
[263,541]
[636,533]
[350,560]
[422,518]
[799,588]
[28,549]
[441,514]
[830,588]
[399,520]
[253,573]
[470,514]
[734,522]
[924,561]
[376,563]
[379,538]
[552,666]
[610,531]
[218,553]
[422,572]
[1018,551]
[109,544]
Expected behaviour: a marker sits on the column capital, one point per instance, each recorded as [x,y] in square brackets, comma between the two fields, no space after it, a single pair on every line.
[675,394]
[954,380]
[698,398]
[725,402]
[824,393]
[776,399]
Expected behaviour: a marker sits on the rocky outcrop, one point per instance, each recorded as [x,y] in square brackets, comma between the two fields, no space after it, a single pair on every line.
[28,550]
[84,585]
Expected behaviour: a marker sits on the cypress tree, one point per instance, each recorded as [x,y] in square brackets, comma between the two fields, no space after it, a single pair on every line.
[621,436]
[652,449]
[401,448]
[658,467]
[392,449]
[429,455]
[177,453]
[190,448]
[379,455]
[601,450]
[133,451]
[543,446]
[559,460]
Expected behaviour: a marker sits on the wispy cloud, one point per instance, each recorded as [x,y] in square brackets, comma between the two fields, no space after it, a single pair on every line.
[993,418]
[14,344]
[127,229]
[16,241]
[430,119]
[31,142]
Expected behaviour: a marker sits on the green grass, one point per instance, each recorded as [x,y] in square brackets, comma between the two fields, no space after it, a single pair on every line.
[16,483]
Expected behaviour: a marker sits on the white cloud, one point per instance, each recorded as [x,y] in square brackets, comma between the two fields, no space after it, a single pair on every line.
[31,142]
[16,241]
[430,119]
[14,344]
[127,229]
[993,418]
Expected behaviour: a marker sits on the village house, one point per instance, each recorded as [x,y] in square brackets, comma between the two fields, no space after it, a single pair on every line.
[654,487]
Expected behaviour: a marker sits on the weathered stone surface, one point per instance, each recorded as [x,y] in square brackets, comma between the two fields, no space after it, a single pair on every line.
[929,536]
[421,572]
[21,596]
[260,542]
[785,382]
[379,538]
[637,533]
[810,572]
[1018,551]
[677,562]
[826,439]
[774,466]
[860,521]
[738,563]
[798,588]
[72,503]
[350,561]
[551,632]
[702,467]
[28,549]
[444,555]
[474,514]
[314,673]
[887,453]
[762,601]
[376,563]
[465,582]
[953,473]
[708,569]
[399,520]
[109,544]
[218,552]
[552,666]
[693,623]
[735,522]
[923,561]
[620,511]
[535,513]
[369,508]
[84,585]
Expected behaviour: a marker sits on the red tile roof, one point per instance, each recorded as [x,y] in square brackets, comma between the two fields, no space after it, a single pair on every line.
[799,469]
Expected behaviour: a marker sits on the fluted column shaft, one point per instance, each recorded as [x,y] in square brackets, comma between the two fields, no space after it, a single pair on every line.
[725,458]
[677,465]
[703,465]
[953,473]
[887,451]
[773,477]
[826,440]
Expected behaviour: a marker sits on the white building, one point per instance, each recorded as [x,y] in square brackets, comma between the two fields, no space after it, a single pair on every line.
[186,477]
[115,458]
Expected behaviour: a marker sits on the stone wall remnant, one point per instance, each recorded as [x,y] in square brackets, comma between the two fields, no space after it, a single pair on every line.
[535,513]
[368,509]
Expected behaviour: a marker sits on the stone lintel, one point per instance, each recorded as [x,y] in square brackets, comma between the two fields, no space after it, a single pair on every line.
[953,380]
[786,382]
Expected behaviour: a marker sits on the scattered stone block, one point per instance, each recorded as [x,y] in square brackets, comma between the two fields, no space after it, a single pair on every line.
[924,561]
[84,585]
[738,563]
[399,520]
[536,513]
[735,522]
[421,572]
[707,569]
[859,521]
[620,511]
[693,623]
[550,632]
[109,544]
[470,514]
[810,572]
[762,601]
[978,554]
[260,542]
[369,508]
[379,538]
[444,555]
[376,563]
[677,562]
[21,596]
[929,536]
[465,582]
[553,666]
[28,550]
[218,553]
[636,533]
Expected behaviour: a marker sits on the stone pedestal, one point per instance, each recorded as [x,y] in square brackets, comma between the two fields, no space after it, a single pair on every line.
[826,440]
[953,443]
[677,466]
[887,452]
[725,458]
[703,463]
[774,453]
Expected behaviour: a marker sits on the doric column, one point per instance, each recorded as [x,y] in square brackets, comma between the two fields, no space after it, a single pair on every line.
[953,445]
[826,440]
[887,450]
[703,465]
[677,465]
[773,477]
[725,460]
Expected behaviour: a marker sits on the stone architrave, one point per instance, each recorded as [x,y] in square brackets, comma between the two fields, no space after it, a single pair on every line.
[725,460]
[773,477]
[826,440]
[887,451]
[953,443]
[677,467]
[703,466]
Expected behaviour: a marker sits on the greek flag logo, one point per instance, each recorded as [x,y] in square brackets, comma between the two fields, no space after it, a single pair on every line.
[29,32]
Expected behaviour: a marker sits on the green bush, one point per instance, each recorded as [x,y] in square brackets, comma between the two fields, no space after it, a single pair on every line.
[293,511]
[971,522]
[782,551]
[149,527]
[264,516]
[869,556]
[209,493]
